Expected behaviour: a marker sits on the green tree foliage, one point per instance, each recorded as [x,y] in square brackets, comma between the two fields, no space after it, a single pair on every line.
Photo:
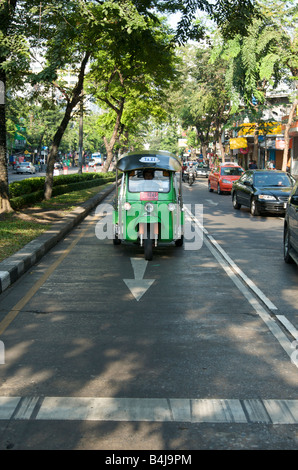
[263,58]
[204,102]
[135,77]
[231,16]
[68,32]
[283,16]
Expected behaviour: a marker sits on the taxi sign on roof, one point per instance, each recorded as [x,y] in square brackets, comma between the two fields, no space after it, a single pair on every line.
[149,160]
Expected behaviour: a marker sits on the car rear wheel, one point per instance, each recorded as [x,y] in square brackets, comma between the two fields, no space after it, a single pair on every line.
[236,204]
[287,247]
[209,187]
[253,207]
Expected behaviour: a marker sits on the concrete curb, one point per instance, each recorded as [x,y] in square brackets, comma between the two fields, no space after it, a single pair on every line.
[15,266]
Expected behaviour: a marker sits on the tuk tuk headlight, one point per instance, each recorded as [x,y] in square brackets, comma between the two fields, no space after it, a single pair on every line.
[149,207]
[127,206]
[171,206]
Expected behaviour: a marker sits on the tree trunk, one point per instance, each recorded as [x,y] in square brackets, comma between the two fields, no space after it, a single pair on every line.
[109,149]
[286,135]
[110,145]
[222,150]
[48,188]
[204,150]
[76,96]
[6,17]
[4,187]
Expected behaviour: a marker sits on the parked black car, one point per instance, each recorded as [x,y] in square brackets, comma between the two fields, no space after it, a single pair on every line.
[291,228]
[263,191]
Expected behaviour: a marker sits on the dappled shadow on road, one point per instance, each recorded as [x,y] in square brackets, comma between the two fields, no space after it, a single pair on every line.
[192,335]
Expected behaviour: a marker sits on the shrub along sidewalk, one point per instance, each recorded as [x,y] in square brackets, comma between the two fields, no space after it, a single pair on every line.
[24,225]
[30,191]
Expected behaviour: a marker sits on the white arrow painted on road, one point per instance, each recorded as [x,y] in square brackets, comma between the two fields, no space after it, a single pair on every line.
[138,286]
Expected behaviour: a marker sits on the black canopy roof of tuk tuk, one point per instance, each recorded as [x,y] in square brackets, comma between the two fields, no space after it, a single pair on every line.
[158,159]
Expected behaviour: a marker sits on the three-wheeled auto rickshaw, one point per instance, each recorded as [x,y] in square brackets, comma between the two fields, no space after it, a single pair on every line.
[149,206]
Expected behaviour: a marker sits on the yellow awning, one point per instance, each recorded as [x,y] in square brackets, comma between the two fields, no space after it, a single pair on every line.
[238,143]
[248,128]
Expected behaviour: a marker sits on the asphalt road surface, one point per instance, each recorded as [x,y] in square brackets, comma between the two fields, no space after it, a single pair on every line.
[195,349]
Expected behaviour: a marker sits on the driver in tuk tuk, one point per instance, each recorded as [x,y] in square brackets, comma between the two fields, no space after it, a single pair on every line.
[148,174]
[149,185]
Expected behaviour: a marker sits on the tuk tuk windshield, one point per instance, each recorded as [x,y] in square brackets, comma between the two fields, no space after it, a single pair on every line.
[149,180]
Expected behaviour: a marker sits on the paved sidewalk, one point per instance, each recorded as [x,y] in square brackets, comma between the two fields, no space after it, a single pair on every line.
[15,266]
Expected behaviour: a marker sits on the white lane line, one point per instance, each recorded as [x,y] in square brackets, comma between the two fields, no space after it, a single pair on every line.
[246,279]
[8,406]
[198,410]
[105,409]
[231,269]
[212,202]
[282,411]
[256,411]
[217,411]
[26,408]
[288,325]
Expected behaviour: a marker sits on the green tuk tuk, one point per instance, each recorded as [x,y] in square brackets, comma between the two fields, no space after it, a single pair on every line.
[149,206]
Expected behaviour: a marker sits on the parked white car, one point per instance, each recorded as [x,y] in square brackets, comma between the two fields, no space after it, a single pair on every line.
[25,167]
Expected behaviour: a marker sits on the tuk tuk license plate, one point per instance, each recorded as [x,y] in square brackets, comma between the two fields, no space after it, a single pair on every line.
[148,196]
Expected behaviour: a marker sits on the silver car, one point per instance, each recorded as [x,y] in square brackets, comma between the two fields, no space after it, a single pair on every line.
[203,171]
[25,167]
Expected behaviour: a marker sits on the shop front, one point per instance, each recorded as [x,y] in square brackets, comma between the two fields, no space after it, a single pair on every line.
[293,147]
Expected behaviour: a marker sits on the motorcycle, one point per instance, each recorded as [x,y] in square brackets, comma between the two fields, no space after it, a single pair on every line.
[191,177]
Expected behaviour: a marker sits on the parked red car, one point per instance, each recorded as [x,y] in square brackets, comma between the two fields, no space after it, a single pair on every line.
[222,177]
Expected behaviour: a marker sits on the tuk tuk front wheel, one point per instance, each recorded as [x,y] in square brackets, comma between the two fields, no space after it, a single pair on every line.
[179,241]
[148,249]
[116,240]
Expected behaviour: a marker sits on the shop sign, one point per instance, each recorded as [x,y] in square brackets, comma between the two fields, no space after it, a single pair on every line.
[280,144]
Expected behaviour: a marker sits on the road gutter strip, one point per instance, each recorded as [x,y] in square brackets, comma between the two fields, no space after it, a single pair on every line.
[15,266]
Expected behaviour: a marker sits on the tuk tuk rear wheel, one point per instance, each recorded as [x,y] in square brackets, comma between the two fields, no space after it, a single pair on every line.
[148,249]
